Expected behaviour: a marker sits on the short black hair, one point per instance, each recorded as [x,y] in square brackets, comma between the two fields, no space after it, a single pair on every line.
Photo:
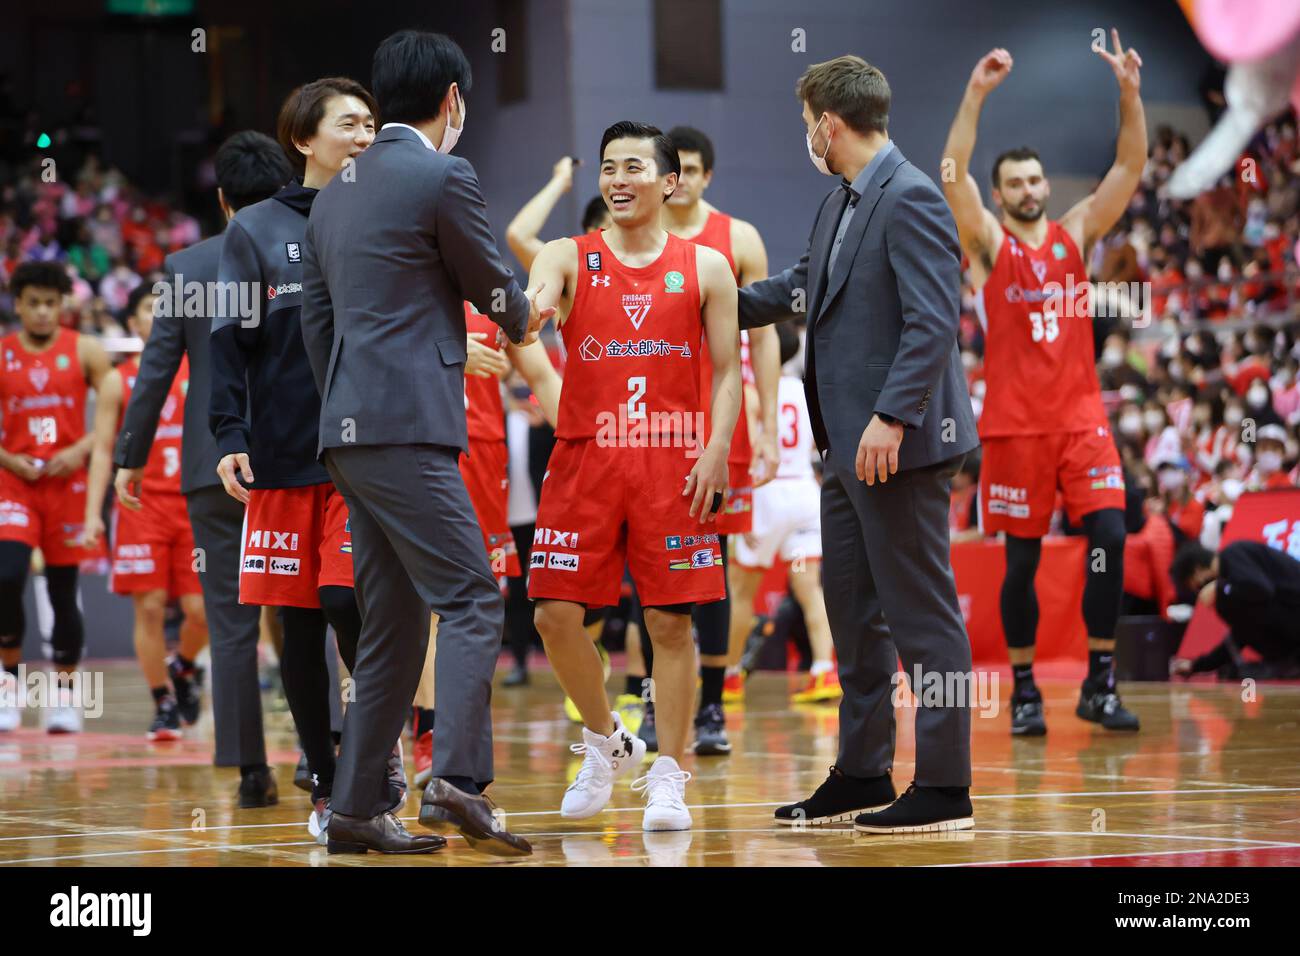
[1018,154]
[596,211]
[688,139]
[1191,557]
[412,71]
[250,167]
[40,275]
[304,108]
[788,340]
[136,296]
[666,160]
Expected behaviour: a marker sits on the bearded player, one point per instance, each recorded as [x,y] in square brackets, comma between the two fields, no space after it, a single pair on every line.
[153,546]
[749,463]
[44,380]
[628,481]
[1043,426]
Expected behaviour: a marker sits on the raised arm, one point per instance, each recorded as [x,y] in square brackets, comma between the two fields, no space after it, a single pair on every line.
[977,227]
[1092,217]
[522,233]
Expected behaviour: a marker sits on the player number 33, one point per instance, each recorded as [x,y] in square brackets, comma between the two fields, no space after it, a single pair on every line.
[1043,326]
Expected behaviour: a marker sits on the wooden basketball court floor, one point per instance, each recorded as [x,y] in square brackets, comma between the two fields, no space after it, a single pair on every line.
[1210,780]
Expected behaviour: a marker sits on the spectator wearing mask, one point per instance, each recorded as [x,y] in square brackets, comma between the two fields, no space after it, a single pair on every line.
[1255,589]
[1270,450]
[1185,513]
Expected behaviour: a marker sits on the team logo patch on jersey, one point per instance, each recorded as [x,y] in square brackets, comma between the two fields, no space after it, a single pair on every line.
[562,562]
[590,349]
[1040,269]
[289,566]
[62,362]
[593,262]
[294,251]
[1058,250]
[40,376]
[674,282]
[637,306]
[600,280]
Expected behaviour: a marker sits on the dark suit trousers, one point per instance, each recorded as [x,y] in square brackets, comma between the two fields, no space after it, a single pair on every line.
[889,594]
[217,520]
[416,546]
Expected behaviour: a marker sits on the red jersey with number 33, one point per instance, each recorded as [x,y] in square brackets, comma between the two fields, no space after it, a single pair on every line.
[1040,373]
[485,415]
[633,338]
[44,395]
[162,472]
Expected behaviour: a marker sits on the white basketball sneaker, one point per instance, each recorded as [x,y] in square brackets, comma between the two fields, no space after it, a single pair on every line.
[11,716]
[607,759]
[665,796]
[65,716]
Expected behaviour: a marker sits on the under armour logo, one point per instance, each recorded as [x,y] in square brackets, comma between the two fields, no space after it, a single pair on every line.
[600,280]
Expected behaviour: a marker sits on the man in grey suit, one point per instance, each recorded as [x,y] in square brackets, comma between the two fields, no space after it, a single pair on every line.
[393,249]
[880,284]
[249,167]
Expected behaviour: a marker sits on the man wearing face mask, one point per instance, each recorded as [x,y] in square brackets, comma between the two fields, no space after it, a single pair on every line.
[389,259]
[887,399]
[1044,427]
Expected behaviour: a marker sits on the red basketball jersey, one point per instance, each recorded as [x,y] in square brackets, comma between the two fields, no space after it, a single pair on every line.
[485,415]
[162,472]
[633,336]
[44,396]
[716,234]
[1038,349]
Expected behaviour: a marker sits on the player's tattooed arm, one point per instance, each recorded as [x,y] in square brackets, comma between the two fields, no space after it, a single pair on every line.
[532,362]
[707,480]
[978,228]
[1093,216]
[108,406]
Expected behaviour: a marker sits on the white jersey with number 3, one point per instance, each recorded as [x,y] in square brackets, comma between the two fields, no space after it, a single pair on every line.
[794,430]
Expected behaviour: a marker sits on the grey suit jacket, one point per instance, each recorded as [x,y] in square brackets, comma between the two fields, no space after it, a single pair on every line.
[175,334]
[882,334]
[390,257]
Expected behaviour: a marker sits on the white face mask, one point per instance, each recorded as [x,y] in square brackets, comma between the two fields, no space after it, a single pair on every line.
[1130,423]
[452,133]
[1153,420]
[818,161]
[1171,479]
[1270,461]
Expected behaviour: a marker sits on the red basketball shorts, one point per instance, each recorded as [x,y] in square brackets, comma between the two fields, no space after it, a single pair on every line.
[153,548]
[1020,475]
[295,541]
[604,507]
[47,513]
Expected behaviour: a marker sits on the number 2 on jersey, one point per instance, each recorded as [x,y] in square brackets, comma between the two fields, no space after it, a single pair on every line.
[635,405]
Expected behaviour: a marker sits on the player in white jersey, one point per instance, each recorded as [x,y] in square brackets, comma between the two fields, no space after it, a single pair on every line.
[787,522]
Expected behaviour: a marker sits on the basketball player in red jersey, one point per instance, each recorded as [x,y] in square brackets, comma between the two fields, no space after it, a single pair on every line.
[46,374]
[153,546]
[1043,426]
[749,463]
[486,473]
[627,481]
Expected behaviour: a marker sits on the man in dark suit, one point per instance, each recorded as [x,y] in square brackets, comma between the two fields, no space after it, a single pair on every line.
[392,252]
[249,168]
[880,283]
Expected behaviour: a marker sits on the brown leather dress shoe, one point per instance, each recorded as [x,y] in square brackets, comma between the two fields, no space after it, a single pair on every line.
[383,833]
[445,807]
